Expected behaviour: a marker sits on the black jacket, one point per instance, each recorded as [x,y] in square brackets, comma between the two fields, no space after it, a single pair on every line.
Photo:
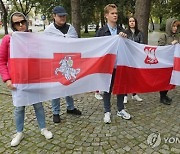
[136,37]
[104,31]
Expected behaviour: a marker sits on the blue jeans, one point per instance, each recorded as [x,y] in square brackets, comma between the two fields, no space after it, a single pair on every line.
[19,113]
[56,104]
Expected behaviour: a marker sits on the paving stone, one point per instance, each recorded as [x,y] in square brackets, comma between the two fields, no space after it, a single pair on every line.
[2,149]
[127,148]
[164,151]
[88,133]
[175,150]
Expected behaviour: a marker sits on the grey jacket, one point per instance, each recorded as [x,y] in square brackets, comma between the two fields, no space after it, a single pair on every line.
[166,39]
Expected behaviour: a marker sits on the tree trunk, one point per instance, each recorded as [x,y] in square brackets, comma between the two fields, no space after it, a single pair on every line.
[152,23]
[86,28]
[97,26]
[5,22]
[160,20]
[102,18]
[4,17]
[142,12]
[75,14]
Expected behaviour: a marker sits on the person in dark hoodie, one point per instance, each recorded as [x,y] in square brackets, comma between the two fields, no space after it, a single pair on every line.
[60,28]
[19,23]
[171,37]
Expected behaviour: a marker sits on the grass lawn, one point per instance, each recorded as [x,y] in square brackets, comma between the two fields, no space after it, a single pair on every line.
[90,34]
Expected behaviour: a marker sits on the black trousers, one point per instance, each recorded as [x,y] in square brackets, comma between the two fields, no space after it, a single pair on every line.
[163,94]
[107,97]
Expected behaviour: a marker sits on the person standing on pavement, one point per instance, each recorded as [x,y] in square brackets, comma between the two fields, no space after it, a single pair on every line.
[19,23]
[171,37]
[111,28]
[60,28]
[134,34]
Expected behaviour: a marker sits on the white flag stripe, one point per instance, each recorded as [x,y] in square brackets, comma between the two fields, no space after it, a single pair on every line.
[35,46]
[175,78]
[132,54]
[27,94]
[177,50]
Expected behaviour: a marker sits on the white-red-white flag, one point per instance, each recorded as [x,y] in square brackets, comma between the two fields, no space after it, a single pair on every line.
[175,78]
[45,67]
[143,68]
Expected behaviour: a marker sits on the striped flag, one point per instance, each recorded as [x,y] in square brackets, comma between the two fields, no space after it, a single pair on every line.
[143,68]
[175,78]
[45,67]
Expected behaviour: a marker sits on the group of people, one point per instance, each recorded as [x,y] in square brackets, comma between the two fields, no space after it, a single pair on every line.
[60,28]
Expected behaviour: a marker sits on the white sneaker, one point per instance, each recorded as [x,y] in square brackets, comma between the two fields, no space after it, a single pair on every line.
[17,139]
[47,134]
[137,98]
[125,99]
[124,114]
[98,96]
[107,118]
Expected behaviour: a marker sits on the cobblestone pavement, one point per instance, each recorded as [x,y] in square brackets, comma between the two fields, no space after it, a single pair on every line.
[88,133]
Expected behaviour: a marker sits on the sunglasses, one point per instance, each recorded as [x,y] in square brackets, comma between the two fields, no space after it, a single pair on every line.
[22,22]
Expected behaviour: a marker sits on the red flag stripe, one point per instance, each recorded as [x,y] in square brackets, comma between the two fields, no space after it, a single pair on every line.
[33,70]
[176,64]
[138,80]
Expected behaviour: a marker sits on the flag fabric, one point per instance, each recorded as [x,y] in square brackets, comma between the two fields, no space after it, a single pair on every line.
[143,68]
[175,78]
[46,67]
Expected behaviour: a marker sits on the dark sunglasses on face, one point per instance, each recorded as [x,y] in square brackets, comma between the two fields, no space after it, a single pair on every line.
[22,22]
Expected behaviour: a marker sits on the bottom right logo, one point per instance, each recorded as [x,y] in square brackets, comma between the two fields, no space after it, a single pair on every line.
[154,140]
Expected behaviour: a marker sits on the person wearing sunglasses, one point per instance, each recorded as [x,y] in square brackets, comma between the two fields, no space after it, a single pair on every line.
[19,23]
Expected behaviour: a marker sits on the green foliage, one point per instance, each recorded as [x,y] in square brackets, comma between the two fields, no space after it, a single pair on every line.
[174,7]
[164,9]
[45,7]
[1,36]
[163,26]
[24,6]
[89,34]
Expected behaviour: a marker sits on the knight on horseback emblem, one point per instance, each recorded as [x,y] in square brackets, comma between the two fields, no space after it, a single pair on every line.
[67,70]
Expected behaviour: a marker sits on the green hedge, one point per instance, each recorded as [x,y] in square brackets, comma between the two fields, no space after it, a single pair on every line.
[1,36]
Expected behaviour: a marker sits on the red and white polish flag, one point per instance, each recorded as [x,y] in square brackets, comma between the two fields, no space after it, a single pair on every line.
[175,78]
[46,67]
[143,68]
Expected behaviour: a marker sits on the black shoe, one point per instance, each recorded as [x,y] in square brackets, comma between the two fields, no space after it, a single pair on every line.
[74,111]
[166,100]
[56,118]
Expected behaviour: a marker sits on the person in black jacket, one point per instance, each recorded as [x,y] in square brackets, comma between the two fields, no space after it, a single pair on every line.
[134,34]
[111,28]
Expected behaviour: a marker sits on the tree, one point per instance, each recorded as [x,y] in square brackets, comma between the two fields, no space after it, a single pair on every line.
[142,13]
[24,6]
[174,8]
[88,13]
[5,15]
[160,9]
[75,15]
